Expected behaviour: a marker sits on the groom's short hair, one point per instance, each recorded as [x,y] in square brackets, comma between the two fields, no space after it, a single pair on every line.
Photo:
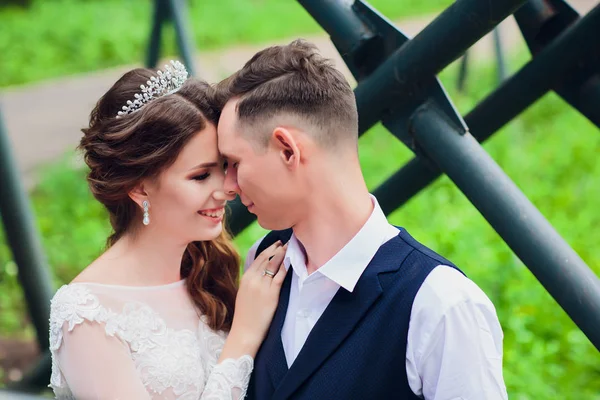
[293,83]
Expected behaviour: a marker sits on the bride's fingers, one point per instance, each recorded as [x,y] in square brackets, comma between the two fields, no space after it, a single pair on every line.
[273,262]
[263,257]
[276,259]
[280,276]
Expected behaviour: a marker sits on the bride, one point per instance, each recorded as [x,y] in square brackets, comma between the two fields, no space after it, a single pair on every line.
[153,316]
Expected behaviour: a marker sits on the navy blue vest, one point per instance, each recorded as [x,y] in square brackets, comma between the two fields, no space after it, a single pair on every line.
[357,349]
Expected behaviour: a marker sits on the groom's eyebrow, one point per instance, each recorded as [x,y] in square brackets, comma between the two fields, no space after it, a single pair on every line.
[227,157]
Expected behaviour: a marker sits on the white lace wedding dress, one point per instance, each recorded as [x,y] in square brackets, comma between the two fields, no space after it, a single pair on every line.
[119,342]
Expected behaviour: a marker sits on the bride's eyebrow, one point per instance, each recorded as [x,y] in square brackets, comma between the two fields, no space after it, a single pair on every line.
[206,165]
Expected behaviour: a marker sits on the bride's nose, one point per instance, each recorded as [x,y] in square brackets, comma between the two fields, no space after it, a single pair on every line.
[221,194]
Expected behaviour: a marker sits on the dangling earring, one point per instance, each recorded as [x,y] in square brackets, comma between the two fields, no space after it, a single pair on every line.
[146,219]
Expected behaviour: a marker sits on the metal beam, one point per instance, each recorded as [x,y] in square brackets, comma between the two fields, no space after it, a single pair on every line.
[551,65]
[173,11]
[178,11]
[560,270]
[159,16]
[23,240]
[444,40]
[37,377]
[542,22]
[338,19]
[239,217]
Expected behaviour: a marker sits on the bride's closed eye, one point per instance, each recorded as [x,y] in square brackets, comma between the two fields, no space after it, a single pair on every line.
[201,177]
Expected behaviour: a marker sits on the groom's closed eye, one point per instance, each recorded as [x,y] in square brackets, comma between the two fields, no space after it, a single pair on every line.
[230,163]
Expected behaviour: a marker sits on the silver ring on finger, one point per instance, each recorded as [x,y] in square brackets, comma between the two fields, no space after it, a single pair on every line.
[268,273]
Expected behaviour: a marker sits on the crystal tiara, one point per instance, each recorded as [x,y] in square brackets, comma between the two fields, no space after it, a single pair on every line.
[168,81]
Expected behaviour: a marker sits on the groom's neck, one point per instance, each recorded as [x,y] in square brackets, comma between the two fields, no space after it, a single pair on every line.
[338,208]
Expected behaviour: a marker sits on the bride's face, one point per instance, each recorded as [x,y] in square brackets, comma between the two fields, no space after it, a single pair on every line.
[187,199]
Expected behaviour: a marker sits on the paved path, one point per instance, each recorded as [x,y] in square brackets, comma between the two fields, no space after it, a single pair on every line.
[44,119]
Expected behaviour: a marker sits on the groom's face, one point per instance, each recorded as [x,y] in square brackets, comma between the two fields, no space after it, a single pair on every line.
[256,174]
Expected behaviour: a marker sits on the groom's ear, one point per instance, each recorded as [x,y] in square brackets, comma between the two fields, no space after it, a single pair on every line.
[288,147]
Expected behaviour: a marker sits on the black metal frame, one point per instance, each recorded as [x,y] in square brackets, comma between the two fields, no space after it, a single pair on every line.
[171,11]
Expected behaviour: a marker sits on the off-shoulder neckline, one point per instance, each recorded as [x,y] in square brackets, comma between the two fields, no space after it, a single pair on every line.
[106,285]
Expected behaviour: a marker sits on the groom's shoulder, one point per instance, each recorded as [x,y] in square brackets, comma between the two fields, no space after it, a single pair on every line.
[420,251]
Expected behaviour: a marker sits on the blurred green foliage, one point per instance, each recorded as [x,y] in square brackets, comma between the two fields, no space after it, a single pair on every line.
[60,37]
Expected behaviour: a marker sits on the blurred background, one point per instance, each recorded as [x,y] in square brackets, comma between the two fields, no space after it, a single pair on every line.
[58,57]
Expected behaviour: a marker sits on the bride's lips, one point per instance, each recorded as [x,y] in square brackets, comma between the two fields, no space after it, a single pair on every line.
[213,214]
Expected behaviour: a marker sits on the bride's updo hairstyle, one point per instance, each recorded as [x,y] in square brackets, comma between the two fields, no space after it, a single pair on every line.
[122,150]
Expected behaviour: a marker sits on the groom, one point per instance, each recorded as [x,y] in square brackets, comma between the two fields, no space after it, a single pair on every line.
[366,311]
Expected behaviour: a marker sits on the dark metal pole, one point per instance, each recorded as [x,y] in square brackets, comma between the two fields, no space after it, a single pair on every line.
[160,16]
[23,240]
[462,72]
[405,183]
[560,270]
[441,42]
[500,63]
[338,19]
[579,44]
[541,22]
[184,41]
[549,67]
[584,97]
[240,217]
[37,377]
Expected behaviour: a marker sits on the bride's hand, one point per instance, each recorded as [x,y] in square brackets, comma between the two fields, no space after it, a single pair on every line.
[256,301]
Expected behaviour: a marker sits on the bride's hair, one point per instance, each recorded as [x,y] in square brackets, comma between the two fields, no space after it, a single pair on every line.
[123,151]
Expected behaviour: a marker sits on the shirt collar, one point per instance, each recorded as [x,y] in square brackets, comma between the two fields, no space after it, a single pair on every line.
[346,267]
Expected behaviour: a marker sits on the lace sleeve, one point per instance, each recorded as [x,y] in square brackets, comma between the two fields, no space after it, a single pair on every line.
[86,362]
[229,379]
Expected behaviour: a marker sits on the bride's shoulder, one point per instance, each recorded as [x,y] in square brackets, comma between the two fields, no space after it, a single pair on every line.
[81,299]
[72,305]
[87,297]
[99,272]
[74,301]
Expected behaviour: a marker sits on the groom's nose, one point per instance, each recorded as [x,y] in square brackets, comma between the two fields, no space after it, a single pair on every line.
[230,185]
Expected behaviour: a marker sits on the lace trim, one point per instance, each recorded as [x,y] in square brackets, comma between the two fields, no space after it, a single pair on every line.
[230,378]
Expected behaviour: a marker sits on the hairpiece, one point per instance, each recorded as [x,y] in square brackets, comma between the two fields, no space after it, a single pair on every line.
[168,81]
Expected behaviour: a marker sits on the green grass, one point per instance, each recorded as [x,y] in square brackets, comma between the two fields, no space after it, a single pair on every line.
[61,37]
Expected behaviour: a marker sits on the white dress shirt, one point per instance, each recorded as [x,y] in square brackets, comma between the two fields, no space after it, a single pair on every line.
[454,348]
